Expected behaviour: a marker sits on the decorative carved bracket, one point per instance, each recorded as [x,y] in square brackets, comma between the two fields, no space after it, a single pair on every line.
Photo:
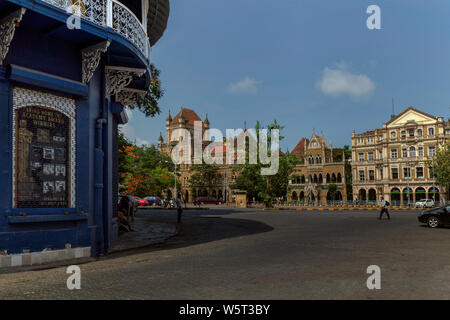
[8,26]
[128,96]
[91,59]
[118,78]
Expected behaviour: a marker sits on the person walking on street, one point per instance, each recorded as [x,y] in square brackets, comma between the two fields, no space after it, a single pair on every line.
[179,209]
[384,208]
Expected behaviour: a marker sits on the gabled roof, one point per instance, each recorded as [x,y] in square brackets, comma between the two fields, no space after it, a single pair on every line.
[300,148]
[408,110]
[188,115]
[320,140]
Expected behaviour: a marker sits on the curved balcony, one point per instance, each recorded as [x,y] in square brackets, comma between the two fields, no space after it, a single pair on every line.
[109,14]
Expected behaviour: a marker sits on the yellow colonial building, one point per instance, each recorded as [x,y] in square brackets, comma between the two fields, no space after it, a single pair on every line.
[390,162]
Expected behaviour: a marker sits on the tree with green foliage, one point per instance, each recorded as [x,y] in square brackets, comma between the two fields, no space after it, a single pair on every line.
[204,177]
[440,167]
[332,191]
[261,187]
[148,104]
[143,170]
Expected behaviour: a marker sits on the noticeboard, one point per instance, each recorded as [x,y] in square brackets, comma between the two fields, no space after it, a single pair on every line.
[42,161]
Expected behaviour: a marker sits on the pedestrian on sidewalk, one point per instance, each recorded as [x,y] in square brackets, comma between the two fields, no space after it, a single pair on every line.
[179,209]
[384,208]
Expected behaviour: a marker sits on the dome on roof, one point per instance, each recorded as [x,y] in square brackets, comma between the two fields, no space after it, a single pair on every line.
[157,17]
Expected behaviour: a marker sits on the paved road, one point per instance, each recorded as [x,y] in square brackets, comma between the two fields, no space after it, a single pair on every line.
[230,254]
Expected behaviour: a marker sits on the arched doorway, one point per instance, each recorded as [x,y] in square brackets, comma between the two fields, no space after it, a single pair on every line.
[302,196]
[362,194]
[372,195]
[329,198]
[336,197]
[395,195]
[433,193]
[420,193]
[407,195]
[294,196]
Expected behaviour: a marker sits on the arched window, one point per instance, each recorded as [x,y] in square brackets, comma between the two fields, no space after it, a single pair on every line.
[412,152]
[320,178]
[333,178]
[328,177]
[419,132]
[339,178]
[315,178]
[431,131]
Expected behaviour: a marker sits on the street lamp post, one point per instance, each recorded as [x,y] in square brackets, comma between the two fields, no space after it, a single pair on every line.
[175,179]
[226,183]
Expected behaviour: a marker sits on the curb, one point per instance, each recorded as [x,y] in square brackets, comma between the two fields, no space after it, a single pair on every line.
[164,209]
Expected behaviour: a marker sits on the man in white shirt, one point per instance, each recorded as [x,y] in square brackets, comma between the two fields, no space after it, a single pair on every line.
[384,208]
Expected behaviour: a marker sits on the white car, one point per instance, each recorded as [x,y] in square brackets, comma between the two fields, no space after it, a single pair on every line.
[425,203]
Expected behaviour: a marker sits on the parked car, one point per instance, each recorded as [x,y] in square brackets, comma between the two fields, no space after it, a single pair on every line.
[425,203]
[140,202]
[435,217]
[207,200]
[153,201]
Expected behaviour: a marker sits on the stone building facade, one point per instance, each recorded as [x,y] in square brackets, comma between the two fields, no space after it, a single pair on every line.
[388,161]
[318,169]
[221,187]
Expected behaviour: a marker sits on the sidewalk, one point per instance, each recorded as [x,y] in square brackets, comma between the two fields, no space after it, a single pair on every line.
[146,231]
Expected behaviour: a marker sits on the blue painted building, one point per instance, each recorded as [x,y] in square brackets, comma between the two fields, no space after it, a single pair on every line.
[67,69]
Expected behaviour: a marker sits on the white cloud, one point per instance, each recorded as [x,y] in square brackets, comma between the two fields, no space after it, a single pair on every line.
[247,85]
[130,133]
[339,81]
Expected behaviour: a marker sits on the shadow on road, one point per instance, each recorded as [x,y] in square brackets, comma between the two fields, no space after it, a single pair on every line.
[199,227]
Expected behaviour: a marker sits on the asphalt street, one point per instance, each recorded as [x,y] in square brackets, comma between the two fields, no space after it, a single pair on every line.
[255,254]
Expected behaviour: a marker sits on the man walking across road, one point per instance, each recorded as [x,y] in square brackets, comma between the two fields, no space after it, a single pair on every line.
[384,208]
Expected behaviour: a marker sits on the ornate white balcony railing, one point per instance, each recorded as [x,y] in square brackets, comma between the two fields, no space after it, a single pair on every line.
[127,24]
[112,14]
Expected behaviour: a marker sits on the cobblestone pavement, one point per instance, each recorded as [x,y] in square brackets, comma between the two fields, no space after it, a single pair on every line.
[254,254]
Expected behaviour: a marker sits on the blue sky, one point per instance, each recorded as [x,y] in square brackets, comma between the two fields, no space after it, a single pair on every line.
[310,64]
